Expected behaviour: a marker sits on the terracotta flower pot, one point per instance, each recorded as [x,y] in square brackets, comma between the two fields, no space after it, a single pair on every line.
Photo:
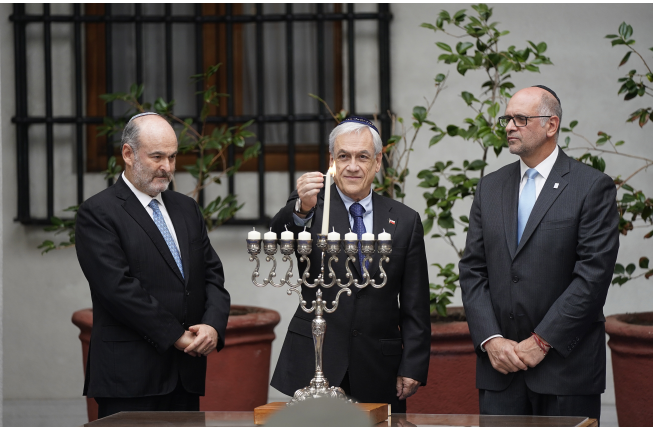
[243,363]
[631,343]
[451,385]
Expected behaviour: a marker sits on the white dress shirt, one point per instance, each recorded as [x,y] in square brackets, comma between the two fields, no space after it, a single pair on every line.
[543,171]
[145,200]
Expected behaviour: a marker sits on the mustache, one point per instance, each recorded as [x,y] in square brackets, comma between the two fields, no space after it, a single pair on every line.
[163,174]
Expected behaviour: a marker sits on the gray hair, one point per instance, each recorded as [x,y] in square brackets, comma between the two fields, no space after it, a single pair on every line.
[550,106]
[130,136]
[354,128]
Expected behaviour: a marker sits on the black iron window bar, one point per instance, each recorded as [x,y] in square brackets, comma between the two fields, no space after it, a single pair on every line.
[22,120]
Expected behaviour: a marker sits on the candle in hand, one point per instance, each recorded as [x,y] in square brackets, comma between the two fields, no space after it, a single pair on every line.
[270,235]
[327,199]
[385,236]
[333,236]
[304,236]
[253,234]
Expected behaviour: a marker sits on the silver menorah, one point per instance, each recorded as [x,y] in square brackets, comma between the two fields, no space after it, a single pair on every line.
[319,385]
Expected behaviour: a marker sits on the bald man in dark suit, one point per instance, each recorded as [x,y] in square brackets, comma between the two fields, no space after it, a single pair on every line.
[157,285]
[540,252]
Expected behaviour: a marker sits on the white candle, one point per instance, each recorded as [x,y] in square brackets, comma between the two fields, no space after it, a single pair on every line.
[327,203]
[367,237]
[351,236]
[304,236]
[333,236]
[385,236]
[253,234]
[270,235]
[286,234]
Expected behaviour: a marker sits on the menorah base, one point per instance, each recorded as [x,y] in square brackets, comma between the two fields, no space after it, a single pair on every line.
[319,390]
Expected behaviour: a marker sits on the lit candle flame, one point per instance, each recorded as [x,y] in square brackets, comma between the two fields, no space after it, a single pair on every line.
[332,169]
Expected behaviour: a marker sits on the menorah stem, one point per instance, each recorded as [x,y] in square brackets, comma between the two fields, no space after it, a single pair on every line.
[319,328]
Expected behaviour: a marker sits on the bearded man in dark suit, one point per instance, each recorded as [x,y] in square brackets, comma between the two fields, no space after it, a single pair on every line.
[157,285]
[377,343]
[540,252]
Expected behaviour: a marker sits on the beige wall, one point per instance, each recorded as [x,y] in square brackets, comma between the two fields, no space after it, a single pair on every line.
[42,355]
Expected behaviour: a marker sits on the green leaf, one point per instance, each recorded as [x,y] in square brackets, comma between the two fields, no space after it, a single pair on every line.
[625,59]
[609,36]
[443,46]
[630,268]
[532,68]
[494,109]
[429,26]
[428,225]
[618,268]
[643,262]
[462,47]
[468,97]
[573,124]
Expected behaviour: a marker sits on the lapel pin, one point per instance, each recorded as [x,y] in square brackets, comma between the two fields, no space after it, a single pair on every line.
[555,186]
[391,221]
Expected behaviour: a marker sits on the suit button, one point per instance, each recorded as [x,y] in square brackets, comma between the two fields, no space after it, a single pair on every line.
[183,324]
[515,279]
[355,333]
[512,316]
[188,293]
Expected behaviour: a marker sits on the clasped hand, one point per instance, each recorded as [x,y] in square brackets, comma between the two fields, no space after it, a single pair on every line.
[199,340]
[508,356]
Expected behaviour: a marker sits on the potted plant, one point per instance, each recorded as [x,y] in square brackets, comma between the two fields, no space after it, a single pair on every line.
[250,330]
[631,335]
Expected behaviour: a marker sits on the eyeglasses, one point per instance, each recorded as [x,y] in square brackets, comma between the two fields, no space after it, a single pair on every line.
[519,120]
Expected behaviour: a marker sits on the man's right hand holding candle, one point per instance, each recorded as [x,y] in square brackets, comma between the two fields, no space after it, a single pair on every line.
[308,186]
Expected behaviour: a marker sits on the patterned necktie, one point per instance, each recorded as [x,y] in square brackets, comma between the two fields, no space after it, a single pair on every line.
[356,210]
[526,202]
[161,224]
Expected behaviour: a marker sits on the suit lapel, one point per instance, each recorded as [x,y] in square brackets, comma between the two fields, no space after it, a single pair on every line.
[134,208]
[547,197]
[510,199]
[182,234]
[381,208]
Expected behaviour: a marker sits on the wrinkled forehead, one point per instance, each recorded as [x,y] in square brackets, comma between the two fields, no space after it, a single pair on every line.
[355,142]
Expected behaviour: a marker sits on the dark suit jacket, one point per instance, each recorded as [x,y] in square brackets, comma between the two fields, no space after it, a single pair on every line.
[554,283]
[141,303]
[372,335]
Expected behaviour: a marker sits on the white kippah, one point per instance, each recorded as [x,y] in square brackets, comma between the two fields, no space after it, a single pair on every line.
[142,114]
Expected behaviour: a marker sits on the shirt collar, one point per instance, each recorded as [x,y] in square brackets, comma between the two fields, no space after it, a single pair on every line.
[366,201]
[143,198]
[545,166]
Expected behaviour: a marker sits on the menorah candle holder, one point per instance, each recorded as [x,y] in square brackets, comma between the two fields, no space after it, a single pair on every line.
[319,385]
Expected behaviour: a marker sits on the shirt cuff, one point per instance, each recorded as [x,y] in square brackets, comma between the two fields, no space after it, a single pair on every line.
[488,339]
[301,222]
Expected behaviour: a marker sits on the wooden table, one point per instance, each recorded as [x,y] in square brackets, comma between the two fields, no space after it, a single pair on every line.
[246,419]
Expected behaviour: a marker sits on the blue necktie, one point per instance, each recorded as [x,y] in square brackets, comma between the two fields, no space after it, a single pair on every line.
[526,202]
[161,224]
[357,211]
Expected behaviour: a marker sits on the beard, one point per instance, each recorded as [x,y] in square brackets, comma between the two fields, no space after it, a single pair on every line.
[149,181]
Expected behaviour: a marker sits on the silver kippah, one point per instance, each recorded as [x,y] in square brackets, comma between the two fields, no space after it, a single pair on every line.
[142,114]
